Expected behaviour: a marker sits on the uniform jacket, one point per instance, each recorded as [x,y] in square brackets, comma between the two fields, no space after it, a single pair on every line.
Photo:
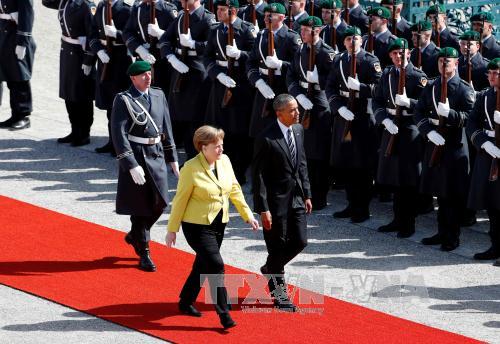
[490,48]
[447,38]
[429,60]
[358,17]
[245,14]
[381,44]
[326,36]
[479,70]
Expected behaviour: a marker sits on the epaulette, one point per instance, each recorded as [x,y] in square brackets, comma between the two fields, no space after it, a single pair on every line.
[214,24]
[370,54]
[464,82]
[156,88]
[416,69]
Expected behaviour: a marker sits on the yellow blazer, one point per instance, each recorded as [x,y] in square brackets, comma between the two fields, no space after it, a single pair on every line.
[200,195]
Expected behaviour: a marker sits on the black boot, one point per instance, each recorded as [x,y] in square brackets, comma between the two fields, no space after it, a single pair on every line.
[393,226]
[226,320]
[450,245]
[129,240]
[20,124]
[145,261]
[433,240]
[491,253]
[107,148]
[80,141]
[343,214]
[66,139]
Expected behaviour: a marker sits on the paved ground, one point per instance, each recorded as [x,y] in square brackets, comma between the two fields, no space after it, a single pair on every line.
[397,276]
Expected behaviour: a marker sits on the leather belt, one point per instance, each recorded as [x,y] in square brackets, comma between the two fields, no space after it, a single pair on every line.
[104,42]
[346,94]
[70,40]
[224,63]
[304,84]
[189,52]
[393,112]
[144,140]
[266,71]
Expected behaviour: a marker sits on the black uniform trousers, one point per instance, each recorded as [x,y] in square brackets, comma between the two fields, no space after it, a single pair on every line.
[81,117]
[448,216]
[405,207]
[21,103]
[318,172]
[206,240]
[494,216]
[359,190]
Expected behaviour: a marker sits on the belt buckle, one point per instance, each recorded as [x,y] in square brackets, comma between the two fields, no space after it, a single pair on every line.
[151,140]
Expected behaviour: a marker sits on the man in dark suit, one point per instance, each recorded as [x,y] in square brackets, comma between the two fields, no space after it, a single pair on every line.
[282,194]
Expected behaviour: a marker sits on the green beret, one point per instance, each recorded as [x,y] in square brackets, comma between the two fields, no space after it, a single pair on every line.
[435,9]
[398,43]
[331,4]
[352,31]
[494,64]
[424,25]
[311,21]
[138,67]
[232,3]
[390,2]
[469,35]
[478,17]
[381,12]
[448,52]
[275,7]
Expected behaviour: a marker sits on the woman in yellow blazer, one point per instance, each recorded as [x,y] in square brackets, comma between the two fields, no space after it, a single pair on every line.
[201,204]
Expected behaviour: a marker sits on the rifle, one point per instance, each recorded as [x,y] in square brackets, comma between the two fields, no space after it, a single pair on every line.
[211,6]
[333,32]
[398,109]
[346,136]
[346,11]
[494,163]
[228,93]
[469,64]
[152,40]
[290,16]
[438,150]
[253,13]
[108,18]
[394,20]
[311,10]
[370,36]
[270,71]
[184,50]
[438,34]
[419,51]
[481,37]
[306,120]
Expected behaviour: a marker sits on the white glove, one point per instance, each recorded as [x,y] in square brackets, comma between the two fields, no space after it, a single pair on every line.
[110,31]
[390,126]
[273,62]
[402,100]
[86,69]
[496,117]
[369,106]
[435,138]
[304,102]
[233,51]
[186,40]
[443,109]
[155,31]
[145,55]
[15,16]
[264,89]
[174,165]
[138,175]
[353,84]
[312,77]
[103,56]
[177,64]
[256,26]
[346,114]
[20,52]
[491,149]
[226,80]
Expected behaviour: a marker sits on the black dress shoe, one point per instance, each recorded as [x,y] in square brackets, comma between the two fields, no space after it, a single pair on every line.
[80,141]
[189,310]
[23,123]
[468,220]
[226,320]
[491,253]
[263,270]
[66,139]
[433,240]
[107,148]
[129,240]
[7,123]
[385,197]
[343,214]
[402,234]
[358,218]
[145,261]
[390,227]
[497,263]
[450,246]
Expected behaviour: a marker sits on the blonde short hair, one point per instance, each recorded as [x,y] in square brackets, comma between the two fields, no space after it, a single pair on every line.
[205,135]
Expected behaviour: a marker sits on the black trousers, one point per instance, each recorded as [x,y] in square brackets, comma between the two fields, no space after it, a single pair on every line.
[206,240]
[494,216]
[239,148]
[359,189]
[21,102]
[81,117]
[448,216]
[405,206]
[318,171]
[141,225]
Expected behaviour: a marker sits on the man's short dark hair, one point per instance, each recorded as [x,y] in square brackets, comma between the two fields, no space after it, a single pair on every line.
[281,101]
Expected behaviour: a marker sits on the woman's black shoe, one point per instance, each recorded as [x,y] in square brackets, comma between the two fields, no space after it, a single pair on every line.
[189,310]
[226,320]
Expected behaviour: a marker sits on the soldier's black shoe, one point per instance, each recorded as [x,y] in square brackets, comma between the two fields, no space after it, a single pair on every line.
[107,148]
[320,206]
[7,123]
[66,139]
[361,217]
[189,309]
[343,214]
[80,141]
[406,233]
[129,240]
[468,220]
[433,240]
[145,261]
[390,227]
[226,320]
[497,263]
[23,123]
[491,253]
[263,269]
[385,197]
[450,246]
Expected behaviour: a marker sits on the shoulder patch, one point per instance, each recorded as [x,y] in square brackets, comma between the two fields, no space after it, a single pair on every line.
[93,8]
[299,40]
[331,55]
[175,13]
[423,81]
[377,67]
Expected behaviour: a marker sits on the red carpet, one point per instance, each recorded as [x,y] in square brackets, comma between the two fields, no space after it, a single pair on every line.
[90,268]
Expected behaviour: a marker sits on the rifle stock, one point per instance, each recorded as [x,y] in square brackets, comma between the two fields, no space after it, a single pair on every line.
[394,20]
[469,64]
[108,18]
[346,136]
[346,12]
[419,51]
[370,36]
[228,93]
[306,119]
[495,162]
[152,40]
[437,152]
[184,51]
[270,71]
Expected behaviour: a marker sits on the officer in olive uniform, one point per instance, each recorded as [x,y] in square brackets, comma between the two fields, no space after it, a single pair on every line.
[333,32]
[354,153]
[286,43]
[301,78]
[446,176]
[436,14]
[113,60]
[401,166]
[142,136]
[481,125]
[16,59]
[429,51]
[478,64]
[402,25]
[76,70]
[245,14]
[357,16]
[381,37]
[482,22]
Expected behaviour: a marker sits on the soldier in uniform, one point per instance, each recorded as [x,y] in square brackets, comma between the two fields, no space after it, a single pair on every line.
[446,176]
[189,82]
[286,43]
[481,124]
[400,167]
[245,14]
[300,78]
[231,114]
[479,78]
[142,136]
[382,37]
[113,60]
[298,12]
[402,25]
[429,51]
[333,32]
[76,68]
[482,22]
[436,14]
[355,153]
[16,60]
[357,16]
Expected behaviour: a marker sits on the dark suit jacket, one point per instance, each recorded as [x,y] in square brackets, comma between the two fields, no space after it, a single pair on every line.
[277,185]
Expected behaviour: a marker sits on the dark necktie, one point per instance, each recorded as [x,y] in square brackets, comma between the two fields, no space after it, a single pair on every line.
[291,145]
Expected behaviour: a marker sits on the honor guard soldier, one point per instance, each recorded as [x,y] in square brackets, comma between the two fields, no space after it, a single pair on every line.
[357,16]
[483,128]
[427,58]
[141,35]
[402,25]
[228,105]
[285,42]
[469,47]
[400,153]
[441,35]
[107,43]
[482,22]
[354,132]
[189,82]
[298,9]
[333,32]
[142,136]
[76,70]
[246,14]
[381,36]
[16,60]
[306,80]
[440,114]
